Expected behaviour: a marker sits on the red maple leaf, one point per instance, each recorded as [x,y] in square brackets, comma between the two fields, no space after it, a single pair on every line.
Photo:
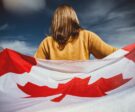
[76,87]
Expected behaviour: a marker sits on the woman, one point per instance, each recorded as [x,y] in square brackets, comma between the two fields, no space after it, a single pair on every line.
[69,41]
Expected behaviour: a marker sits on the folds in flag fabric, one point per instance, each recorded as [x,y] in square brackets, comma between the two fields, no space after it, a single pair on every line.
[34,85]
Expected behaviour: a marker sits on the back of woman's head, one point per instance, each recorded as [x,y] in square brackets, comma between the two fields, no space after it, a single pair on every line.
[64,24]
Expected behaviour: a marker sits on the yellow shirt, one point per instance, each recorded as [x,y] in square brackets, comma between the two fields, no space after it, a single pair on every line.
[80,49]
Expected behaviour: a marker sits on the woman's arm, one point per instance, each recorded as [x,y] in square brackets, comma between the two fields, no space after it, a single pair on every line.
[99,48]
[41,52]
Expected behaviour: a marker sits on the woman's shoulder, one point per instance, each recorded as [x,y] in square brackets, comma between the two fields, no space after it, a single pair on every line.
[47,38]
[87,34]
[85,31]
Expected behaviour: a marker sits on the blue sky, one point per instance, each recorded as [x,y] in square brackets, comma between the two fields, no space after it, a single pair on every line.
[25,23]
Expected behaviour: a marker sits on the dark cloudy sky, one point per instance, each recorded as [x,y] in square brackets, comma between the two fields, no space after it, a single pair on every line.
[24,23]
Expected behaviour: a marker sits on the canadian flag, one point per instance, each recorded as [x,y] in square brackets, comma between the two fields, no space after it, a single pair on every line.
[34,85]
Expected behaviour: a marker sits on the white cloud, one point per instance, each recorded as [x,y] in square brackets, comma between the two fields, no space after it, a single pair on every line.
[95,11]
[20,46]
[3,27]
[24,6]
[122,39]
[112,22]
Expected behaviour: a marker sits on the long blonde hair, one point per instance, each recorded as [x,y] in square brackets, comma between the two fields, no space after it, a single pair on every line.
[64,24]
